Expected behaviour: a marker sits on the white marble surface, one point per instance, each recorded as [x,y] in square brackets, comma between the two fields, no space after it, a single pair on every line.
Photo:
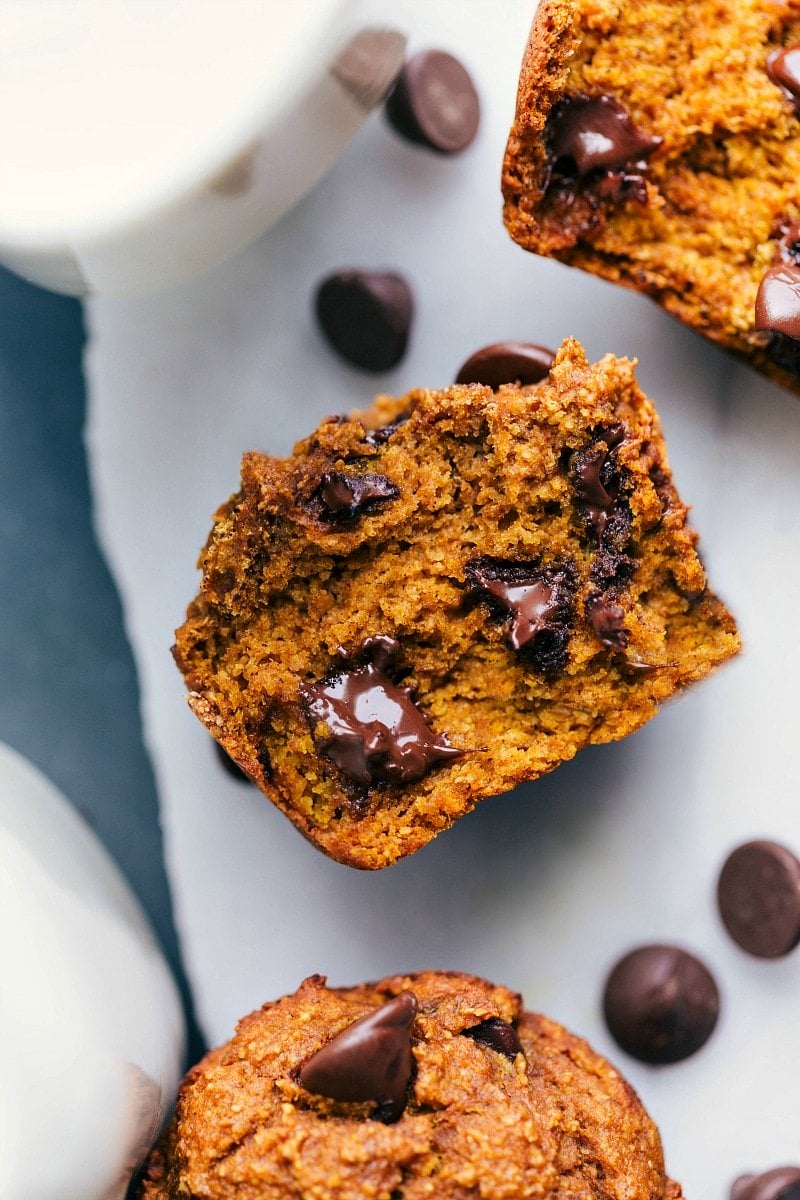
[544,888]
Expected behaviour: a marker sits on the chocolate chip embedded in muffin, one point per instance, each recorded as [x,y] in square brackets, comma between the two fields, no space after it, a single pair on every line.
[366,316]
[661,1004]
[369,726]
[288,1107]
[434,103]
[369,1060]
[507,362]
[592,143]
[340,499]
[783,68]
[758,894]
[537,602]
[502,653]
[781,1183]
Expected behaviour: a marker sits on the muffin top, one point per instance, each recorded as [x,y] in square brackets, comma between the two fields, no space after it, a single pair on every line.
[435,1084]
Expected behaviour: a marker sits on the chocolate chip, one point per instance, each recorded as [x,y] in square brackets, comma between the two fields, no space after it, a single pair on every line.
[783,68]
[781,1183]
[341,499]
[366,316]
[497,1035]
[592,138]
[377,437]
[434,103]
[369,1060]
[232,767]
[607,621]
[507,362]
[536,601]
[758,894]
[778,301]
[598,483]
[375,732]
[660,1004]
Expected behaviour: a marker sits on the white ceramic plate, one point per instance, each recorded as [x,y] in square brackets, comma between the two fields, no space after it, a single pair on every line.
[542,889]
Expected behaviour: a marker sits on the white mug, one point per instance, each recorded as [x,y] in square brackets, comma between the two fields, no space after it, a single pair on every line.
[91,1026]
[141,143]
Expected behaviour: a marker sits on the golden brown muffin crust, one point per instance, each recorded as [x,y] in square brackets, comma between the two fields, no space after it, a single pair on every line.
[718,188]
[556,1123]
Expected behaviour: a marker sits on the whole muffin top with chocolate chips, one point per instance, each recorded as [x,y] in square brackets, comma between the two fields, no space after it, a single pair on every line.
[657,143]
[434,600]
[426,1086]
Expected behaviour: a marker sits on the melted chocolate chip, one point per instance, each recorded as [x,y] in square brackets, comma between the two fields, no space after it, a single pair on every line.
[434,103]
[661,1004]
[369,1060]
[758,894]
[537,602]
[340,499]
[778,301]
[375,732]
[781,1183]
[366,316]
[783,68]
[497,1035]
[607,621]
[598,483]
[507,362]
[376,437]
[592,140]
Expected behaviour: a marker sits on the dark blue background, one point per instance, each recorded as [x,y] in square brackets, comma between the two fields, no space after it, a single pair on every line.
[69,697]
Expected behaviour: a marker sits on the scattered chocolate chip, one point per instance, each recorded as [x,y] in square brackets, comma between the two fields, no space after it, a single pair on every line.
[377,437]
[434,103]
[608,622]
[660,1004]
[507,362]
[366,316]
[497,1035]
[376,733]
[341,499]
[636,666]
[233,768]
[537,602]
[781,1183]
[783,68]
[758,894]
[369,1060]
[592,141]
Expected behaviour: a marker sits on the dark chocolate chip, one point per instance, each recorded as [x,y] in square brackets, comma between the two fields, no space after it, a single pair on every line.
[758,894]
[232,767]
[598,485]
[375,732]
[434,103]
[507,362]
[591,135]
[497,1035]
[341,499]
[608,622]
[661,1004]
[377,437]
[783,68]
[369,1060]
[781,1183]
[537,602]
[366,316]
